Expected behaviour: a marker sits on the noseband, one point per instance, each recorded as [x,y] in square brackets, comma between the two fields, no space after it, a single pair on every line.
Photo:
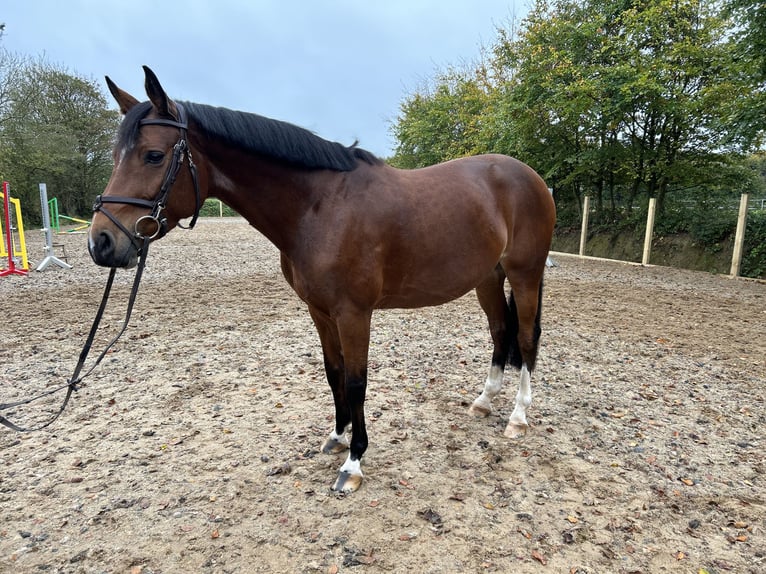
[180,150]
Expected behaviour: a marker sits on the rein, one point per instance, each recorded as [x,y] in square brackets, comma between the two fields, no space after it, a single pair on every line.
[141,242]
[74,382]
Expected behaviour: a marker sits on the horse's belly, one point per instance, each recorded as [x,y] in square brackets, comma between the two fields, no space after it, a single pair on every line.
[415,300]
[428,288]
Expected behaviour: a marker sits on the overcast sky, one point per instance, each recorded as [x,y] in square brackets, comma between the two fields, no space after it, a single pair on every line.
[340,68]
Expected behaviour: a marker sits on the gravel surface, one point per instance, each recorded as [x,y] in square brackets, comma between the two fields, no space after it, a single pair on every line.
[194,447]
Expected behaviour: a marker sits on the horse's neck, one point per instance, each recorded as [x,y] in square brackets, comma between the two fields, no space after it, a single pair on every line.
[272,197]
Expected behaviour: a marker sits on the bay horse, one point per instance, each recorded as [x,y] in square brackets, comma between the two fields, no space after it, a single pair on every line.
[354,233]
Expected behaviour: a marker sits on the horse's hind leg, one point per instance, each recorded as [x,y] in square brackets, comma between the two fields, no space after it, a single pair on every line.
[525,304]
[502,327]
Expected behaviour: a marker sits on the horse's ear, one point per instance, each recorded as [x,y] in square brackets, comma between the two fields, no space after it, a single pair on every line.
[164,105]
[124,99]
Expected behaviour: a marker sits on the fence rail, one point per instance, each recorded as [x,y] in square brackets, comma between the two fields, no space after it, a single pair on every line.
[745,204]
[753,204]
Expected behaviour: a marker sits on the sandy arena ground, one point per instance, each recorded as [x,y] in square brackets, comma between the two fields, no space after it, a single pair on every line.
[194,447]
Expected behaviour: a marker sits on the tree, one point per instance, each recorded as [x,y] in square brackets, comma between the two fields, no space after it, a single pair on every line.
[749,17]
[55,127]
[642,93]
[619,99]
[11,67]
[442,123]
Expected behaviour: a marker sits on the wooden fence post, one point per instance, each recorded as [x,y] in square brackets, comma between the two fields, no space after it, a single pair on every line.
[739,238]
[584,230]
[649,231]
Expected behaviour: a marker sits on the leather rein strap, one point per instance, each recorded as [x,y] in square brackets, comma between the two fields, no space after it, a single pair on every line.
[141,242]
[74,381]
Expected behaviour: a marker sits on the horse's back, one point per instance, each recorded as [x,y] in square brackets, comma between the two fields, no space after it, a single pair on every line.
[513,181]
[493,182]
[503,174]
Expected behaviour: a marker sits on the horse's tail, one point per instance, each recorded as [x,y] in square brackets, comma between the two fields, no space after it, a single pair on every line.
[512,332]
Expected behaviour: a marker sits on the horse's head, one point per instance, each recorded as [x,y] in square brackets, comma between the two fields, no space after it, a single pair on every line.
[149,191]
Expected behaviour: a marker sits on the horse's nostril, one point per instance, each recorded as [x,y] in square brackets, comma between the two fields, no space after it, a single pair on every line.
[102,248]
[104,243]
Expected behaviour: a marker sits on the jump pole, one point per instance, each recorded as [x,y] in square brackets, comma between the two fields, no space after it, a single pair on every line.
[56,217]
[50,257]
[12,269]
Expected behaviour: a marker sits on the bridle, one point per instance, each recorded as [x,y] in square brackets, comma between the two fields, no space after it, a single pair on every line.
[141,241]
[181,150]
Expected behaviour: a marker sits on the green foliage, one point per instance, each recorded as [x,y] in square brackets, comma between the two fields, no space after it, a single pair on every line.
[754,249]
[442,124]
[711,228]
[55,128]
[751,14]
[618,100]
[212,208]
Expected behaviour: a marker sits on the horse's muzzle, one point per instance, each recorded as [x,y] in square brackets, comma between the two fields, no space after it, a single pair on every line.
[106,251]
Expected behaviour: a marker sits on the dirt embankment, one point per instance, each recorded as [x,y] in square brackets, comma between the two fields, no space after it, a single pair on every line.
[679,251]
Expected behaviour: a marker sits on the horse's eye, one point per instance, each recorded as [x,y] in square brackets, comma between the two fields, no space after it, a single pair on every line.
[154,157]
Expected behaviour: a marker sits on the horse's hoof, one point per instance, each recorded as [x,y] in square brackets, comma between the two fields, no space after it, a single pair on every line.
[333,446]
[516,430]
[347,482]
[479,411]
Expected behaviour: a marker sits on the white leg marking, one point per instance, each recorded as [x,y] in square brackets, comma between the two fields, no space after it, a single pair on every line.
[336,442]
[494,383]
[517,424]
[492,387]
[352,467]
[341,438]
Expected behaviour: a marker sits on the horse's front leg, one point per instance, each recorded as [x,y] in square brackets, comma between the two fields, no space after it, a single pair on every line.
[354,332]
[337,441]
[335,372]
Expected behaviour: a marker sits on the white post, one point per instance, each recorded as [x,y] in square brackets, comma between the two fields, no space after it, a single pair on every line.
[739,238]
[584,230]
[649,231]
[50,257]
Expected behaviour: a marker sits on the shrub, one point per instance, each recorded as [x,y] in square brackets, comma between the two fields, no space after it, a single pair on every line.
[211,208]
[754,249]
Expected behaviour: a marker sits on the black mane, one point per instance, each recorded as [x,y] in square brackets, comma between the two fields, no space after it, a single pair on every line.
[257,134]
